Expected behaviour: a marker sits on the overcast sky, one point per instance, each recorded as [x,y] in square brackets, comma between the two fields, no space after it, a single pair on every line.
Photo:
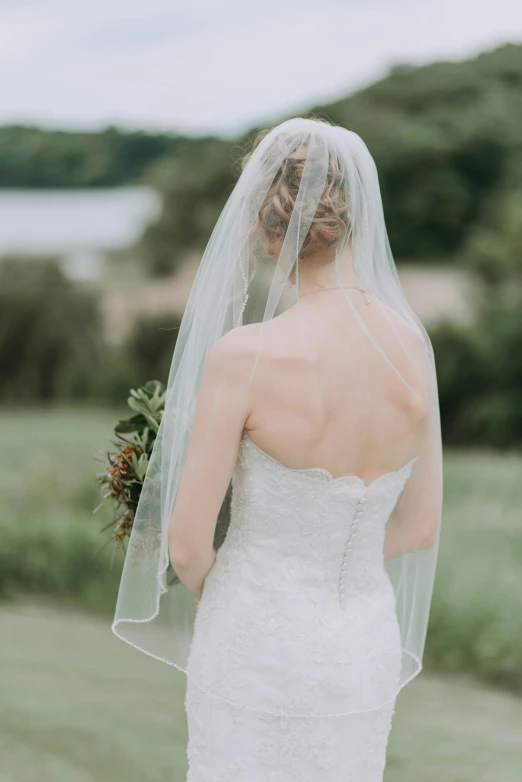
[220,65]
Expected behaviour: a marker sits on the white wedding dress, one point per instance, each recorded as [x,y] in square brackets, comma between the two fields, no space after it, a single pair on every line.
[296,630]
[304,634]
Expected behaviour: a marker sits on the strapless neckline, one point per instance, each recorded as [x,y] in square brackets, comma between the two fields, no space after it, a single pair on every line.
[326,474]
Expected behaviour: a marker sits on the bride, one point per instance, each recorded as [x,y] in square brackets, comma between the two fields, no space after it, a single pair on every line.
[284,548]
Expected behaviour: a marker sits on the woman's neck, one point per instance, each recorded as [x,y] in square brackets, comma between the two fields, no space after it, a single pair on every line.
[334,274]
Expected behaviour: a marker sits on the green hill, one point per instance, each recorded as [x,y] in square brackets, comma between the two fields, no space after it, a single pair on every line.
[445,137]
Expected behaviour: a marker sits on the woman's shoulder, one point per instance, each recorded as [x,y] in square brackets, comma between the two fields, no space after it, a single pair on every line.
[243,342]
[238,342]
[234,353]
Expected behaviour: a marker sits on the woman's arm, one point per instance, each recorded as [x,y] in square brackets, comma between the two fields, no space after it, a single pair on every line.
[414,522]
[220,415]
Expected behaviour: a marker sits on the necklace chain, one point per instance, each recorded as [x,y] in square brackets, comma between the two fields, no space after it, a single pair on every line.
[338,288]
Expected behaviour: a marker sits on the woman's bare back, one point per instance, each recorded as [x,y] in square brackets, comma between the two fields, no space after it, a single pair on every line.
[322,396]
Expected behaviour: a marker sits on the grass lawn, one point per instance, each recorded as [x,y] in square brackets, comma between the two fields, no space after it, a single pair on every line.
[78,705]
[51,540]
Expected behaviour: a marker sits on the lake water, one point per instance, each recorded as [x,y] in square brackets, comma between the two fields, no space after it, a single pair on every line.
[79,225]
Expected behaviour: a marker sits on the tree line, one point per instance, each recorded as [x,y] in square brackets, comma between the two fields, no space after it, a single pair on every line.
[445,137]
[33,157]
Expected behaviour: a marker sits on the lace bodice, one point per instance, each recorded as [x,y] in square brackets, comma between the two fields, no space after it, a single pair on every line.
[299,585]
[320,532]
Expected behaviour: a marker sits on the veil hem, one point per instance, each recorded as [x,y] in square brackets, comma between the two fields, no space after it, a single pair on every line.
[261,712]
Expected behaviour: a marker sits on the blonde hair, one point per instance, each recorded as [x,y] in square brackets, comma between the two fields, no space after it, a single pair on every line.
[332,217]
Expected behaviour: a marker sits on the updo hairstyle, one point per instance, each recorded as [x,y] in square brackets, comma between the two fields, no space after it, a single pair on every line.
[330,222]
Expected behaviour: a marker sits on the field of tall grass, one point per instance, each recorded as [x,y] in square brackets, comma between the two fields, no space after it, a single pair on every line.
[51,541]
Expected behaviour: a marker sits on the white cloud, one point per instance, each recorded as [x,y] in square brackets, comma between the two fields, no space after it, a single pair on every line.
[215,65]
[21,33]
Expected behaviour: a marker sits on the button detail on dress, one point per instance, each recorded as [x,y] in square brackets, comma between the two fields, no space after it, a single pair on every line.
[359,510]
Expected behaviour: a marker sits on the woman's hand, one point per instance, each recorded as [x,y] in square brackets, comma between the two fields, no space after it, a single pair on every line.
[193,572]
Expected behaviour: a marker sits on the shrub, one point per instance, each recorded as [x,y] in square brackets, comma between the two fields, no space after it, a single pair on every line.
[50,333]
[149,348]
[479,371]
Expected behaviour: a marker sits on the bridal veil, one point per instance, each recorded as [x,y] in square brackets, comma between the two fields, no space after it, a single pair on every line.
[250,273]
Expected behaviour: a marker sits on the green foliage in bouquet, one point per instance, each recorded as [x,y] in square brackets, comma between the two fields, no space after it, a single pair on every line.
[123,479]
[135,437]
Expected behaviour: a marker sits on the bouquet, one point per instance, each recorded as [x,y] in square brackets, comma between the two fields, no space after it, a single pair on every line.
[122,481]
